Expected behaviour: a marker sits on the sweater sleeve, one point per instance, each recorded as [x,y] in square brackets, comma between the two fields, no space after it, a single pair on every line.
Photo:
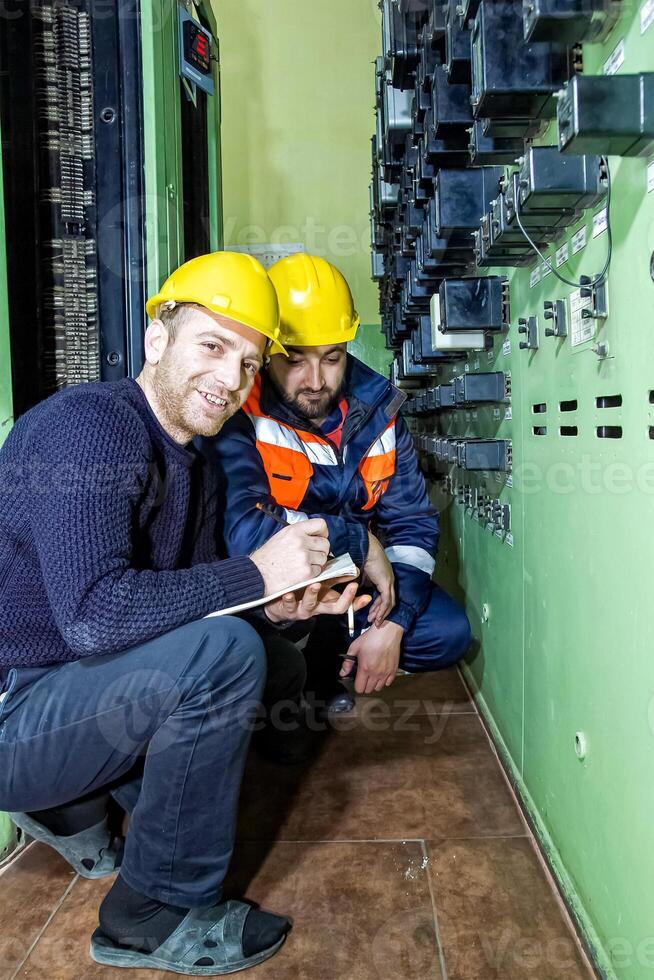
[92,465]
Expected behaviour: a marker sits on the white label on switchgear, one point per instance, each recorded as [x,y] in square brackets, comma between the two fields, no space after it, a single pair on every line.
[547,268]
[534,278]
[646,15]
[600,221]
[615,60]
[509,539]
[506,348]
[650,178]
[509,480]
[562,255]
[508,415]
[582,330]
[578,241]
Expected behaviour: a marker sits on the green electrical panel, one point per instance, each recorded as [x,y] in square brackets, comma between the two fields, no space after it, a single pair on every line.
[546,514]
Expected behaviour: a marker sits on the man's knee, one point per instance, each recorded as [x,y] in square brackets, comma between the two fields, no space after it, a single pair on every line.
[459,636]
[228,650]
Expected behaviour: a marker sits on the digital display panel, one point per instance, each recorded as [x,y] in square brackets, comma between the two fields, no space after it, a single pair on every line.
[197,47]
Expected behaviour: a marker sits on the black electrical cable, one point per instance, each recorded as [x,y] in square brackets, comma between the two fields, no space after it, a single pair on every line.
[607,265]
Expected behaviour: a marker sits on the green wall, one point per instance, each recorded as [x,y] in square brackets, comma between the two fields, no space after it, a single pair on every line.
[297,114]
[567,643]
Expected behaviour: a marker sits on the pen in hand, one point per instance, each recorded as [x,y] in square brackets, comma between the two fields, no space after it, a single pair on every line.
[269,512]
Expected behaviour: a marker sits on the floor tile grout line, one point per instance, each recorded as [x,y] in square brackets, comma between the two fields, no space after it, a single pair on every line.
[536,847]
[15,857]
[42,931]
[439,939]
[385,840]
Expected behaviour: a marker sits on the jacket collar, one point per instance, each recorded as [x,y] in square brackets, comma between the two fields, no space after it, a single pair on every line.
[366,391]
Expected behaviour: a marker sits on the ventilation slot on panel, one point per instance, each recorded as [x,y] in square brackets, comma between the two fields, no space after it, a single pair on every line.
[569,430]
[651,431]
[540,408]
[609,401]
[609,432]
[540,430]
[570,406]
[651,397]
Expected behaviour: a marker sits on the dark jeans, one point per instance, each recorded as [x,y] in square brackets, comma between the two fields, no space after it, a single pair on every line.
[166,726]
[438,639]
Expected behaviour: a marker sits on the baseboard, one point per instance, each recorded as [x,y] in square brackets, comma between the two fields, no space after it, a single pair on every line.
[581,920]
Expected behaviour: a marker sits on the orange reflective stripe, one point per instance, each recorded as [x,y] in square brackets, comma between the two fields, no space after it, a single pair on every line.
[288,474]
[378,466]
[287,466]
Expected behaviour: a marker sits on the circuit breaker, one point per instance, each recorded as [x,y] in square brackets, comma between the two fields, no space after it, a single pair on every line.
[607,114]
[478,389]
[462,197]
[511,77]
[472,304]
[550,181]
[568,21]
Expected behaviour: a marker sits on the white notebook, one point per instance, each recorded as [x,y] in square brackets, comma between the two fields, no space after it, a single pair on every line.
[335,568]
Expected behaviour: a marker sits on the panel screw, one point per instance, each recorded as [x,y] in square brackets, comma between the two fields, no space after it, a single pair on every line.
[113,358]
[108,115]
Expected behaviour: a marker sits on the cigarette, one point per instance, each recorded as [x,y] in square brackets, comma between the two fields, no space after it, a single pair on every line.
[350,621]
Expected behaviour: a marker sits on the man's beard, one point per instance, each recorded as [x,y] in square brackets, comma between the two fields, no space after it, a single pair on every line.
[315,408]
[176,400]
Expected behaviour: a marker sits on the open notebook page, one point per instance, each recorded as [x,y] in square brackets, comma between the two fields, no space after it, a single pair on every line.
[333,569]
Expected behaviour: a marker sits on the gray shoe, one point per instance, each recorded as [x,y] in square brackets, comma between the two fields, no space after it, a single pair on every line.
[93,853]
[206,943]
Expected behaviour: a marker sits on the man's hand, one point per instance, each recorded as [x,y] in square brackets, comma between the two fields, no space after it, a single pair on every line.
[293,554]
[315,600]
[378,653]
[379,571]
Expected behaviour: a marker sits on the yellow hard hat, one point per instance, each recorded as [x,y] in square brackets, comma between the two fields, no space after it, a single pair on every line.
[315,302]
[231,283]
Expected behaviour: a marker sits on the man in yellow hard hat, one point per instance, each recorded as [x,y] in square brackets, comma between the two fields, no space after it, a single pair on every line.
[110,677]
[321,435]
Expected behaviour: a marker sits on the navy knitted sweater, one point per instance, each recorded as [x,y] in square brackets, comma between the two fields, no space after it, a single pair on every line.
[106,530]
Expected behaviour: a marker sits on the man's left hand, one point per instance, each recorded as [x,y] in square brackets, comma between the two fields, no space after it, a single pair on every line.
[378,657]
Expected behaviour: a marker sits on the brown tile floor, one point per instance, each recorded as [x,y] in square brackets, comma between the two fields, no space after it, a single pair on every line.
[399,854]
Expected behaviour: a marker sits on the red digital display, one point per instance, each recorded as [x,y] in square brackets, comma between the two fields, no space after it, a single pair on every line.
[197,48]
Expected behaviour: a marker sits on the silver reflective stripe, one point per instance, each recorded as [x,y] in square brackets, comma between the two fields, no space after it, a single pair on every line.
[408,555]
[385,444]
[275,434]
[295,516]
[3,696]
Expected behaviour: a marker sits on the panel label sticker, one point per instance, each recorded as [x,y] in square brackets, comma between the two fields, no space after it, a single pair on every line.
[506,348]
[562,255]
[578,241]
[490,355]
[582,329]
[508,415]
[534,278]
[509,480]
[547,268]
[600,221]
[650,178]
[615,61]
[496,413]
[509,539]
[646,15]
[476,364]
[499,533]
